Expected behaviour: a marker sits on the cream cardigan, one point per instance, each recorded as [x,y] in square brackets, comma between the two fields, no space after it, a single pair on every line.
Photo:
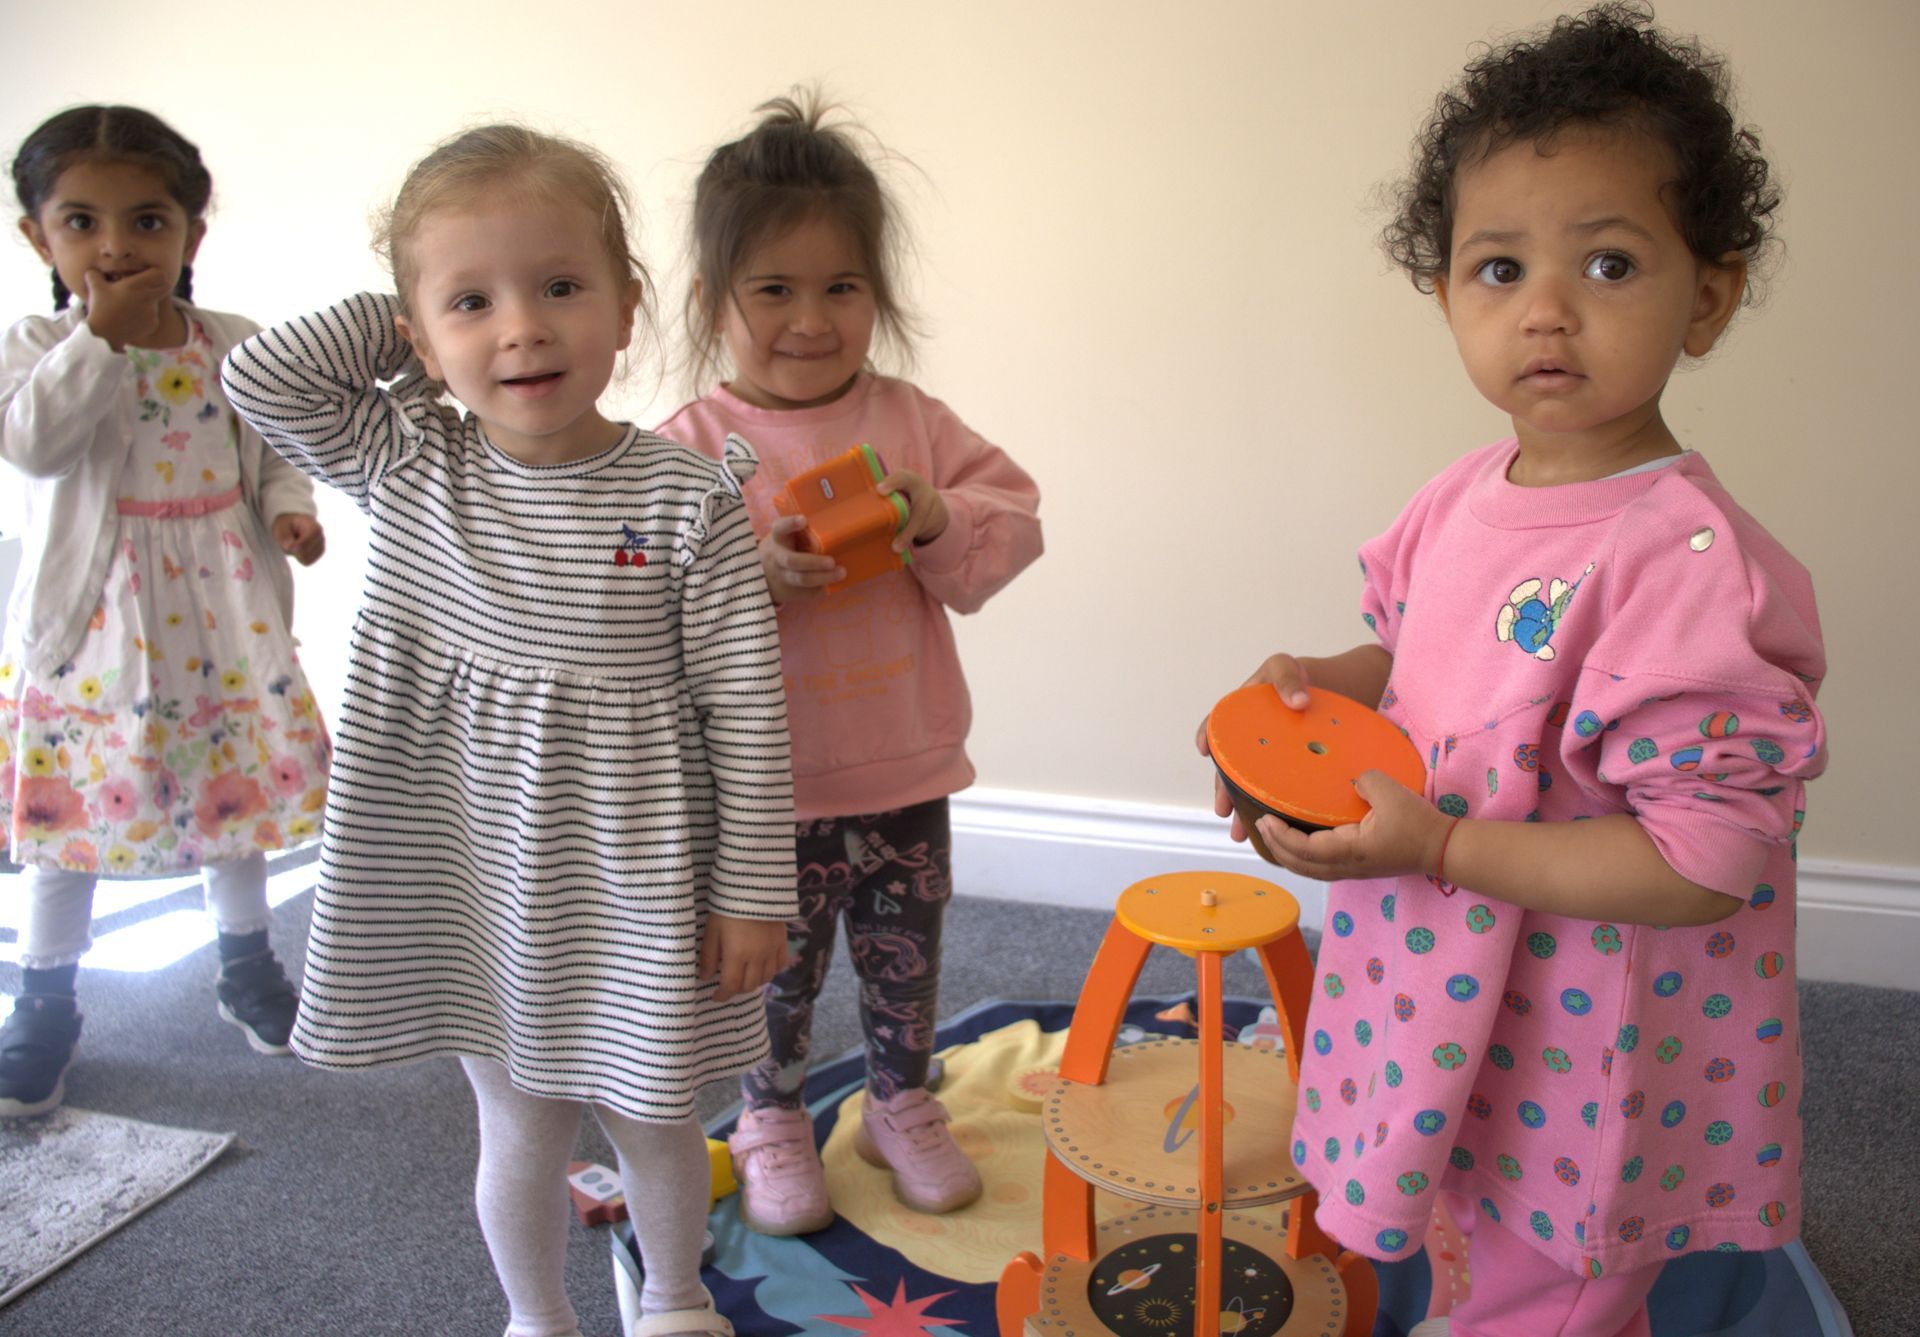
[66,419]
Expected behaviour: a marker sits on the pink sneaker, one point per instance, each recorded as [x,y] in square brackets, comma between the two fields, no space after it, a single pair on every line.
[783,1189]
[909,1136]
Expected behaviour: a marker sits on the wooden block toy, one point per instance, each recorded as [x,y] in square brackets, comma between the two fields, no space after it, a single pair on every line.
[1030,1088]
[847,517]
[595,1190]
[598,1201]
[1299,765]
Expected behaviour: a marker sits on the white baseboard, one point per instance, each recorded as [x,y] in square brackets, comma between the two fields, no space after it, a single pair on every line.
[1859,923]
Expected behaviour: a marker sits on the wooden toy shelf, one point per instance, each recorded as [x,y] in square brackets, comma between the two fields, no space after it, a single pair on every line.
[1212,1251]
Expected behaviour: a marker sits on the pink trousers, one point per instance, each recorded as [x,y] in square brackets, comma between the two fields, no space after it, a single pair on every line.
[1518,1291]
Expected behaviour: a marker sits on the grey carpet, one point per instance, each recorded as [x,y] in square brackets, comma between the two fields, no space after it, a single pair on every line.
[346,1207]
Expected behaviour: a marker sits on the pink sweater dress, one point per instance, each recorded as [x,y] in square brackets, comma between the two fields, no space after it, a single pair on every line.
[879,707]
[1615,1094]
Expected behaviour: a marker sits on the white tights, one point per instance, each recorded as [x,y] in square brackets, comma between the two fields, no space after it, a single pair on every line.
[521,1194]
[60,908]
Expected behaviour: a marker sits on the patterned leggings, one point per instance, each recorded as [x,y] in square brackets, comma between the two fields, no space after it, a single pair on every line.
[889,873]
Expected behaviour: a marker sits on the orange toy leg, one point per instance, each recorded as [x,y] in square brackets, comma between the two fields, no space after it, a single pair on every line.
[1103,1001]
[1363,1292]
[1019,1295]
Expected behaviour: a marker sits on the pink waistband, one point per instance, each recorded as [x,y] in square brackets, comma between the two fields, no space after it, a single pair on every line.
[180,510]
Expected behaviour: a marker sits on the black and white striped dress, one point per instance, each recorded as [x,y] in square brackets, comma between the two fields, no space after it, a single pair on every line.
[564,738]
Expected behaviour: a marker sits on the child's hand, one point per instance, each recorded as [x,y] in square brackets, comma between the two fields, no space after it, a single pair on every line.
[1290,676]
[300,537]
[926,511]
[744,954]
[1402,834]
[126,310]
[791,573]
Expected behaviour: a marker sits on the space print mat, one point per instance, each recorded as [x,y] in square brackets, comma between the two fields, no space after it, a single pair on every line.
[884,1271]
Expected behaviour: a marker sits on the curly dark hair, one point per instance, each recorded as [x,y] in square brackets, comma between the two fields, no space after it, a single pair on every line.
[1608,67]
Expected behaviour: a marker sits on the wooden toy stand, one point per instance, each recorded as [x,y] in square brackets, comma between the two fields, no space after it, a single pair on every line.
[1211,1252]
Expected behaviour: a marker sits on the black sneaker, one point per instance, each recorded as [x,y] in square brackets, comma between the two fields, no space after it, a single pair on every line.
[36,1049]
[255,996]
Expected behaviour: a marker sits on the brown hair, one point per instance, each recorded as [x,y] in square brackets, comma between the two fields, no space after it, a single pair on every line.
[488,157]
[789,169]
[96,133]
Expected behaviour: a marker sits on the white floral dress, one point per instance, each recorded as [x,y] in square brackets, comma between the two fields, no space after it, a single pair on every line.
[182,732]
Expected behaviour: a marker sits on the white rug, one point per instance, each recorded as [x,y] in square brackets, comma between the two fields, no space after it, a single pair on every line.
[71,1178]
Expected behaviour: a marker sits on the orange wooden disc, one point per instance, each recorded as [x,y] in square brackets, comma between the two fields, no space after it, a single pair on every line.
[1300,764]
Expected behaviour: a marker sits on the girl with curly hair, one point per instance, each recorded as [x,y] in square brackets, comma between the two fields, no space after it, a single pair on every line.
[1558,986]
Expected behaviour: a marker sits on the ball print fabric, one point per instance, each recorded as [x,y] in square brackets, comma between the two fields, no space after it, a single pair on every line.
[1614,1094]
[1617,1115]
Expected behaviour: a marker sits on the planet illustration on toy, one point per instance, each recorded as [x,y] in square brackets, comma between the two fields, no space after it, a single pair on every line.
[1133,1279]
[1299,765]
[1154,1287]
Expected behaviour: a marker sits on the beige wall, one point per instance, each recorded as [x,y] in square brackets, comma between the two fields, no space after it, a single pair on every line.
[1146,257]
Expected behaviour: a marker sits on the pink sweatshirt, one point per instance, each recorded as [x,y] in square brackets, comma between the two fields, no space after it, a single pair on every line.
[1614,1094]
[875,697]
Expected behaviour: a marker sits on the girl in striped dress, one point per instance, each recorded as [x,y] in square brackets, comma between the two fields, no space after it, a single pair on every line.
[559,845]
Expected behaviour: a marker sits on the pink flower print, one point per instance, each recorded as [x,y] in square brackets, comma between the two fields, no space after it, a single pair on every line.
[244,571]
[133,582]
[176,440]
[37,705]
[118,800]
[289,778]
[80,856]
[231,539]
[267,836]
[229,798]
[47,805]
[208,712]
[127,550]
[165,789]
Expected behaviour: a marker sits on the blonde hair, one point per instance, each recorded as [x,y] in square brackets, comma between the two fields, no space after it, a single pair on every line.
[789,169]
[487,159]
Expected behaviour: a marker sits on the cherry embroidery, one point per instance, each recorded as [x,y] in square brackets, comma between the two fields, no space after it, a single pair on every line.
[629,552]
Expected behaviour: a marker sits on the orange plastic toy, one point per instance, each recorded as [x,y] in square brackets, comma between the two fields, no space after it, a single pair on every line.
[1300,765]
[847,519]
[1224,1240]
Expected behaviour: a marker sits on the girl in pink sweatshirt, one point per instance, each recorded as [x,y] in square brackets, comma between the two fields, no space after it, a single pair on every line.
[794,242]
[1556,988]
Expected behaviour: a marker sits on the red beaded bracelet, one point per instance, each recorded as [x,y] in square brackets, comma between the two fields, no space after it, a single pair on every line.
[1440,865]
